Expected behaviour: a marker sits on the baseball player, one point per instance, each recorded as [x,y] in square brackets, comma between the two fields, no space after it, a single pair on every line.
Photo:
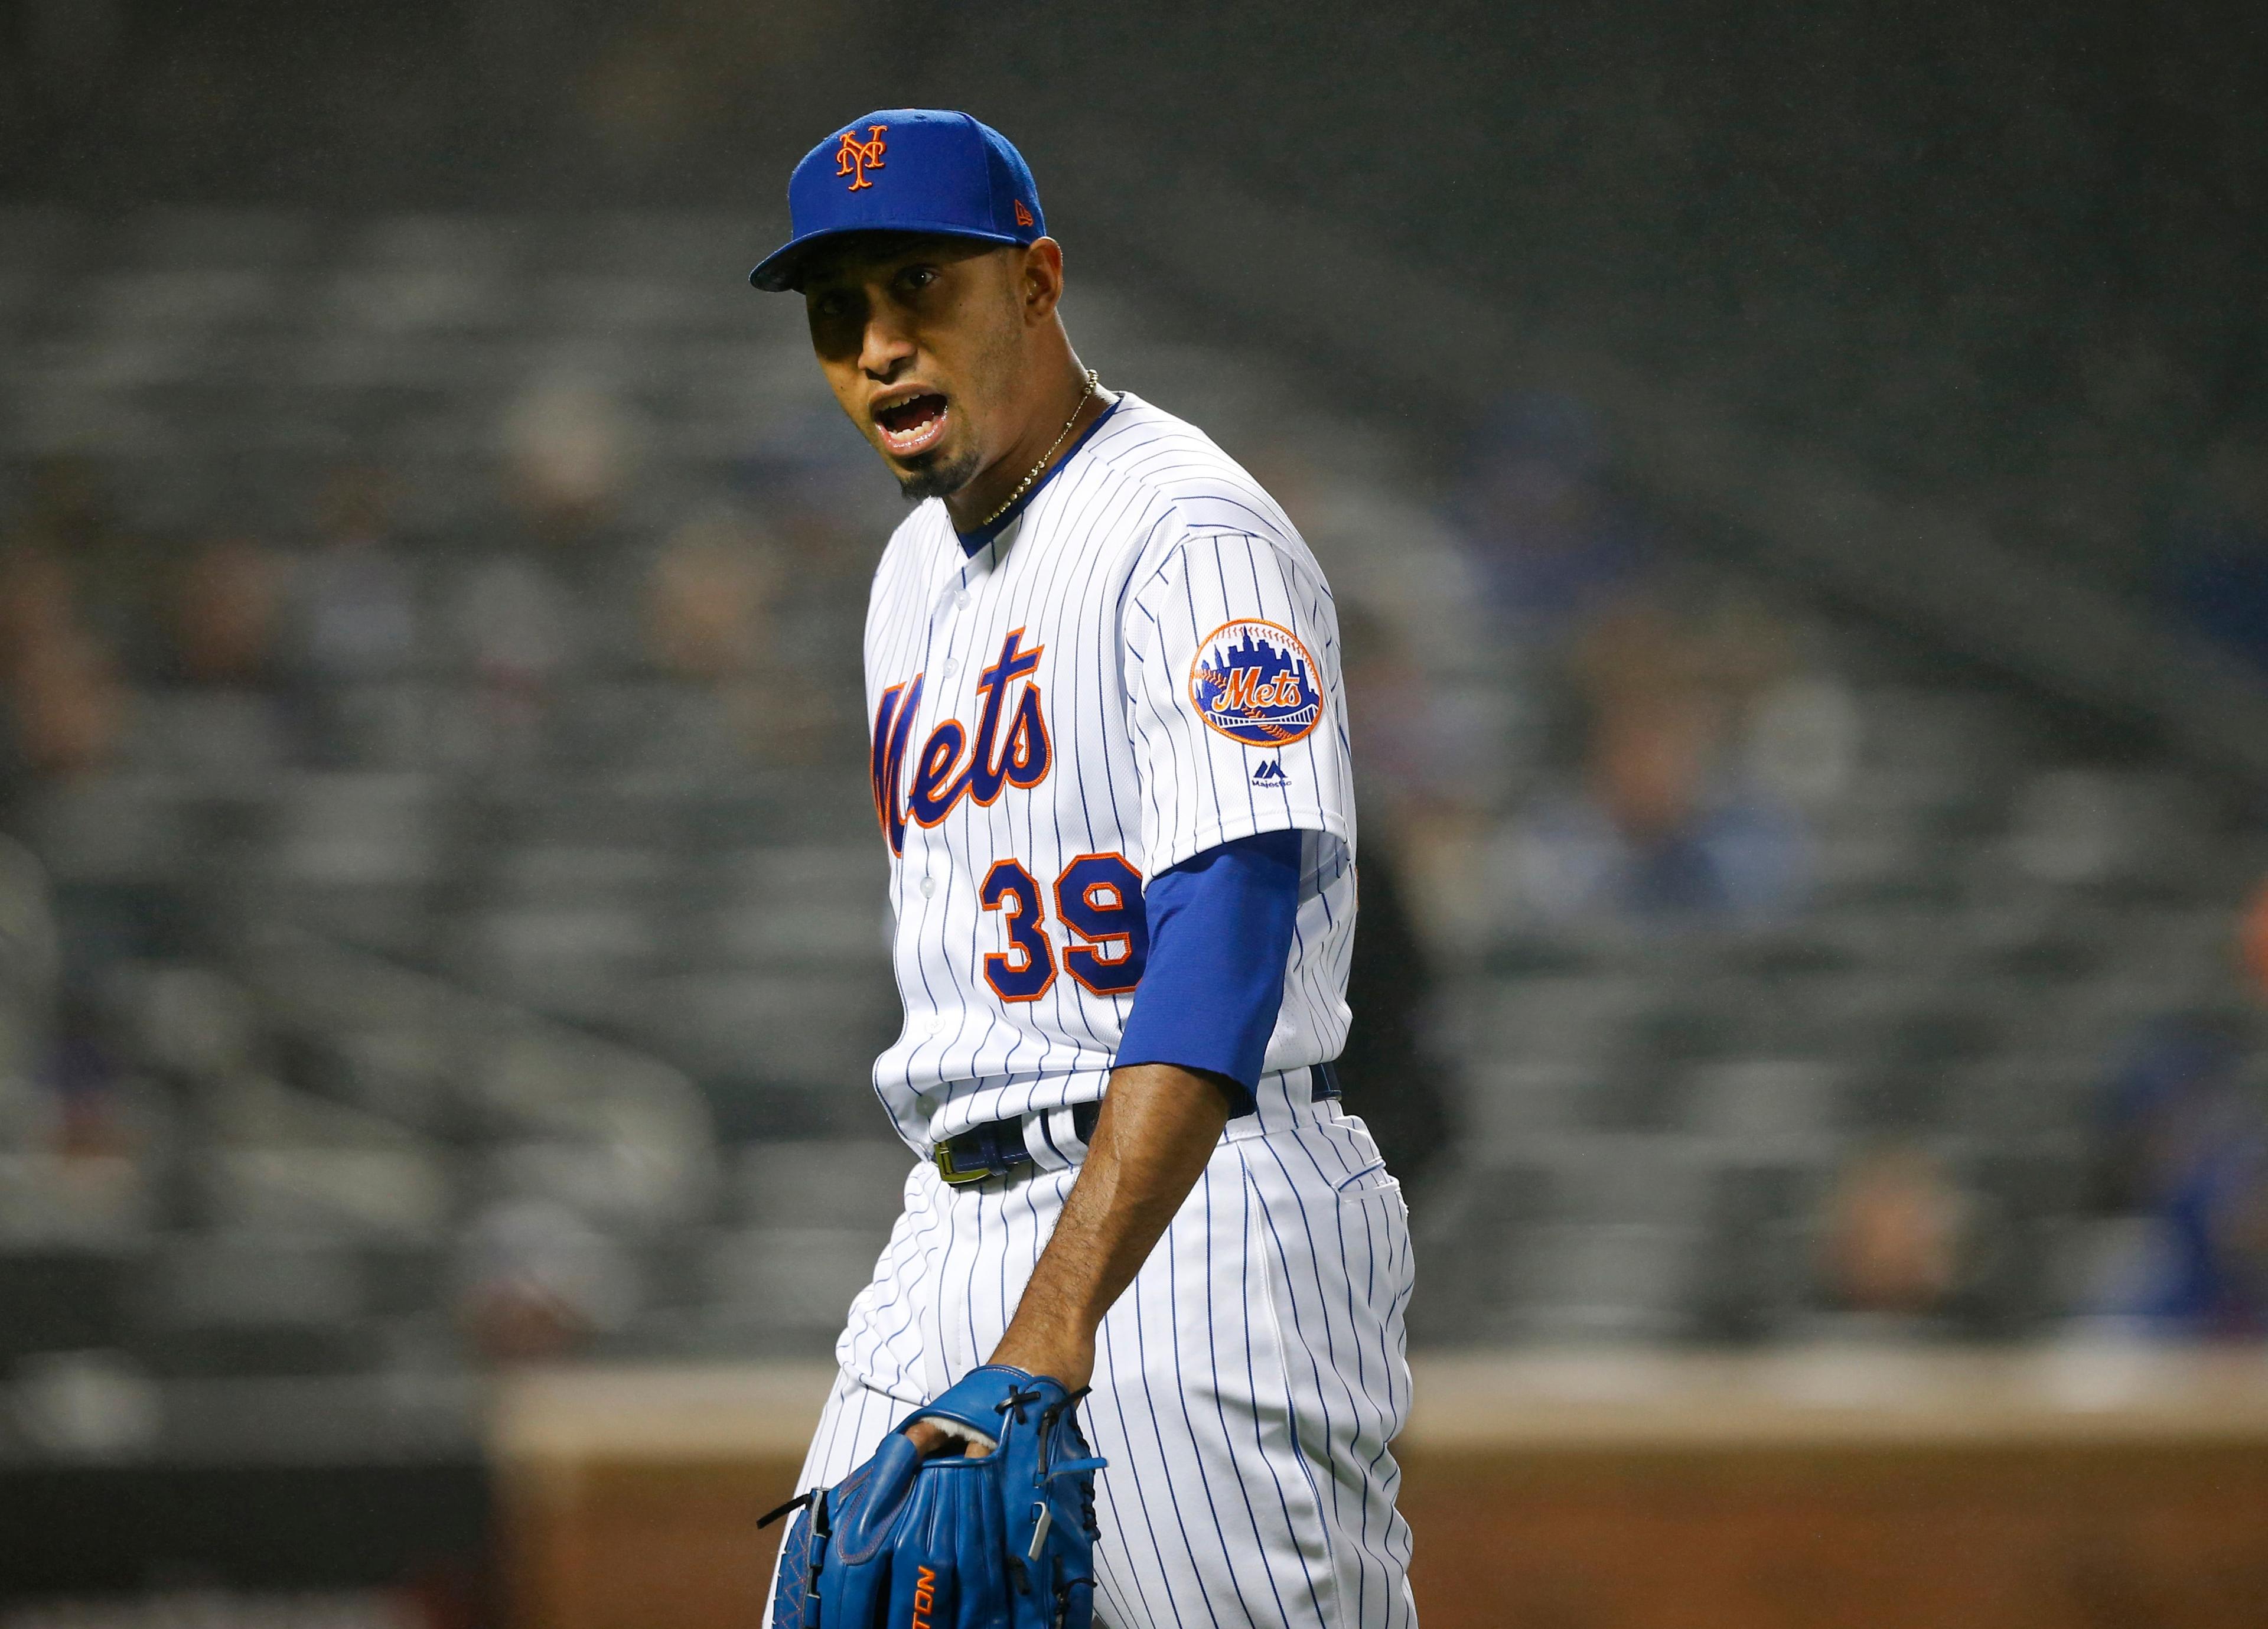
[1110,762]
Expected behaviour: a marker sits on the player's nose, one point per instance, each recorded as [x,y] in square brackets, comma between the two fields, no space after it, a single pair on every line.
[884,348]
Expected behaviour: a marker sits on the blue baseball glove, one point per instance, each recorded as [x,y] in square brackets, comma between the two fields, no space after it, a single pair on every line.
[1006,1541]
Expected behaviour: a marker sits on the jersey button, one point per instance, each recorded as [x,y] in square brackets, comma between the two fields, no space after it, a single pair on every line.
[929,886]
[951,668]
[961,600]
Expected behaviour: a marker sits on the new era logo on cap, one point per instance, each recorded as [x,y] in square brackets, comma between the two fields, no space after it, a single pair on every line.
[907,169]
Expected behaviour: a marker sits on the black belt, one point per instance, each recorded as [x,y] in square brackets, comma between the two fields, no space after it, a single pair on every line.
[997,1147]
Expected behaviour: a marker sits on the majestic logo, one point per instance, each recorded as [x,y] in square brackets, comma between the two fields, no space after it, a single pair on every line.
[855,158]
[1015,753]
[1023,215]
[1256,683]
[1271,774]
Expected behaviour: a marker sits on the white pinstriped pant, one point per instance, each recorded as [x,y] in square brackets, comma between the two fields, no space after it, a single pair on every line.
[1245,1386]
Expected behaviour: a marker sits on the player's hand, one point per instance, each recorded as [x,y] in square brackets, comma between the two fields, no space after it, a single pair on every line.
[1017,1352]
[931,1442]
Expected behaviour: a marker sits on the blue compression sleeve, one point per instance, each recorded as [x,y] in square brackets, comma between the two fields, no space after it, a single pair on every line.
[1221,931]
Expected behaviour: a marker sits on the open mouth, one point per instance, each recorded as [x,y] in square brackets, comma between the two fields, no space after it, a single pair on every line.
[913,425]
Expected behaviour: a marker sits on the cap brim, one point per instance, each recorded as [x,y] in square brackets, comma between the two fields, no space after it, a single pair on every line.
[781,271]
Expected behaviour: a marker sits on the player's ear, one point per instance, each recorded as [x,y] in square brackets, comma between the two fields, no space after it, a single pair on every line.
[1041,279]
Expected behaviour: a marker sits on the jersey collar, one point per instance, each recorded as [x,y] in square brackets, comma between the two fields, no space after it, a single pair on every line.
[972,542]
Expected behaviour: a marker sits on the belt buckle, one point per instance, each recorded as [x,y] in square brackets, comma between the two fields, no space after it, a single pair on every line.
[953,1176]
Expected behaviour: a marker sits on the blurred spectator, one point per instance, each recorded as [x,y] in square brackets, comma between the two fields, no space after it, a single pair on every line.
[1434,773]
[69,706]
[2217,548]
[36,602]
[1802,739]
[355,620]
[1549,542]
[71,517]
[554,601]
[1665,822]
[65,702]
[2185,1147]
[28,965]
[1398,734]
[512,619]
[223,615]
[568,453]
[710,624]
[807,483]
[1895,1234]
[706,602]
[356,601]
[221,717]
[82,1074]
[536,1281]
[2252,942]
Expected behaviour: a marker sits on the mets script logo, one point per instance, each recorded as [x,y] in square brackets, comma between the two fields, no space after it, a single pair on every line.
[1256,683]
[855,158]
[1010,747]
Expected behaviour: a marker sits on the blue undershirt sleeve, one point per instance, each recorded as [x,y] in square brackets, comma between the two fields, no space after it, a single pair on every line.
[1220,934]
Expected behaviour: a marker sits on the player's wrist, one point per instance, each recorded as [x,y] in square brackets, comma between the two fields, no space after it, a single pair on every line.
[1067,1359]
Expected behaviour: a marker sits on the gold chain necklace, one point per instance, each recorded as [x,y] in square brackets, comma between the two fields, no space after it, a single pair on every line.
[1025,485]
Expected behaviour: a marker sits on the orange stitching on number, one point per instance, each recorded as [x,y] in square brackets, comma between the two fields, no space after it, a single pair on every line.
[1028,912]
[1098,948]
[855,158]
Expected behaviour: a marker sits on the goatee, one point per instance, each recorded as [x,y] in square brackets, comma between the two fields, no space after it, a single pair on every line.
[939,477]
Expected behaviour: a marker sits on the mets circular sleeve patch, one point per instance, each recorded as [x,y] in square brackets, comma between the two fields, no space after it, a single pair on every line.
[1256,683]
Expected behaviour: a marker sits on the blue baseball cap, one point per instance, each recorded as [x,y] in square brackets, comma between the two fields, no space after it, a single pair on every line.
[906,169]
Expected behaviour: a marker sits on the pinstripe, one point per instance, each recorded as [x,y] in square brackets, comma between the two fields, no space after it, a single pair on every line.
[1353,1385]
[1195,1454]
[1278,1304]
[1113,1491]
[1212,1343]
[1144,1382]
[1263,1455]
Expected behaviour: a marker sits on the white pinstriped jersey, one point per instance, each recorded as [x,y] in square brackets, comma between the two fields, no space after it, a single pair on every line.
[1142,666]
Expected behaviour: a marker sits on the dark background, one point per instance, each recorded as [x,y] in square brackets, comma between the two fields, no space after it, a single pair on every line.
[1996,253]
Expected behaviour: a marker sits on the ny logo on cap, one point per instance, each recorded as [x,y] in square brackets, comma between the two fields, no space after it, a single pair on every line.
[855,158]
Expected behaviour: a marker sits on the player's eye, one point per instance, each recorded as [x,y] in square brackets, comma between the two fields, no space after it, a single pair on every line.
[915,279]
